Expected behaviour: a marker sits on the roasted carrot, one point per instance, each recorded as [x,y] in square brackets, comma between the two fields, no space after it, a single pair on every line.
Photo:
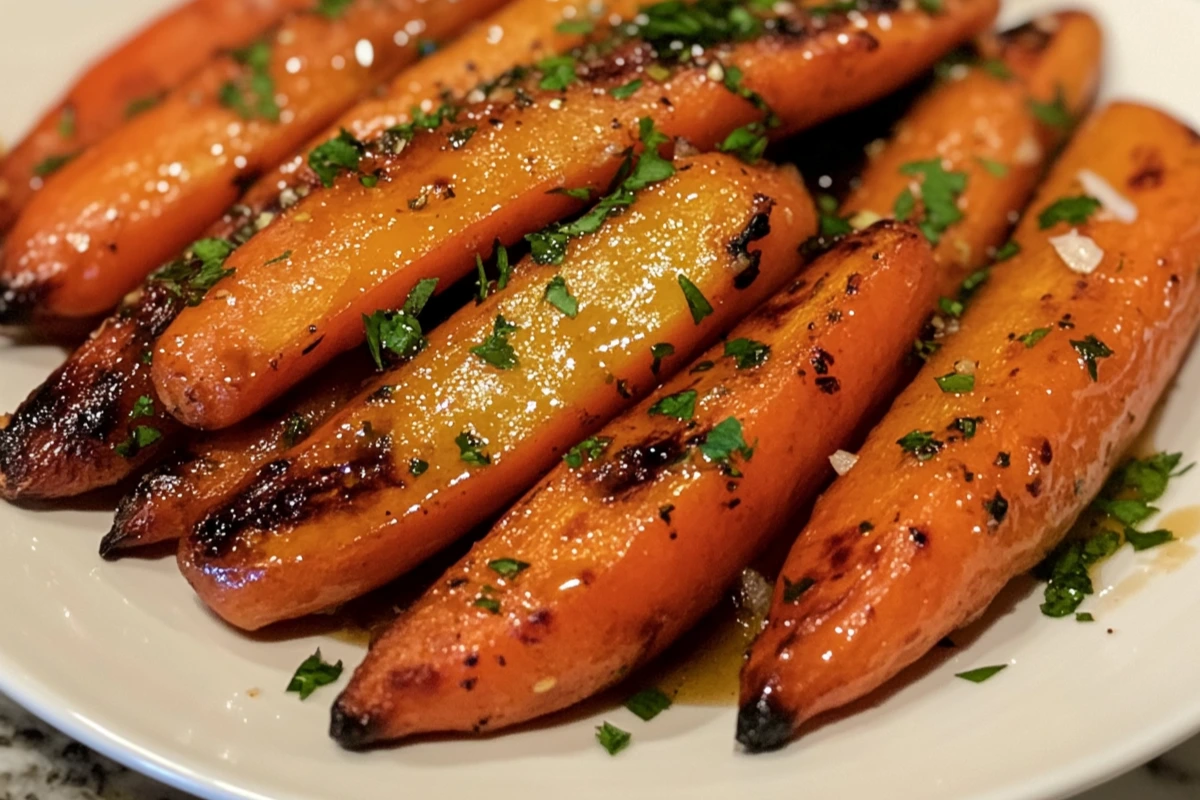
[985,125]
[983,463]
[125,83]
[522,32]
[169,500]
[227,357]
[105,377]
[609,558]
[503,389]
[138,197]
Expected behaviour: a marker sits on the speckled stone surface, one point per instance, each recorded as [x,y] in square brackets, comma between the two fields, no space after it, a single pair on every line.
[38,763]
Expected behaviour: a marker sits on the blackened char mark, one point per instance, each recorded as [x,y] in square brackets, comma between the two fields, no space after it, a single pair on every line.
[757,228]
[636,465]
[278,496]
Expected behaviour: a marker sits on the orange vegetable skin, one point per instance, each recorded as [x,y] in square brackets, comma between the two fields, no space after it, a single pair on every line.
[979,123]
[140,196]
[171,499]
[229,356]
[522,32]
[293,542]
[156,59]
[595,602]
[942,544]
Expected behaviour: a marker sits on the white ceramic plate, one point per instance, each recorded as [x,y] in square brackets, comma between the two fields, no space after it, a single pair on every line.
[123,657]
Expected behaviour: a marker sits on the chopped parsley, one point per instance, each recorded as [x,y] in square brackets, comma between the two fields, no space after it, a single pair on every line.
[460,136]
[142,407]
[681,406]
[612,738]
[558,295]
[504,270]
[626,90]
[648,703]
[697,303]
[1055,113]
[340,154]
[252,95]
[1007,251]
[940,191]
[658,352]
[396,137]
[52,164]
[747,353]
[417,467]
[470,449]
[921,444]
[580,193]
[333,8]
[981,674]
[1083,616]
[507,567]
[66,122]
[141,437]
[140,105]
[589,449]
[399,332]
[1091,349]
[1034,336]
[930,6]
[832,226]
[549,246]
[792,592]
[724,440]
[295,429]
[748,142]
[956,383]
[495,349]
[313,674]
[1122,504]
[284,256]
[966,426]
[579,27]
[190,277]
[558,72]
[994,168]
[1072,210]
[488,604]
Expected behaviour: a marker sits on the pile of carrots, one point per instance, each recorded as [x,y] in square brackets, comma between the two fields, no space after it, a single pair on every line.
[379,272]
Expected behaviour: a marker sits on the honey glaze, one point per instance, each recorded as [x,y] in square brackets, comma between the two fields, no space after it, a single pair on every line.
[1184,523]
[703,668]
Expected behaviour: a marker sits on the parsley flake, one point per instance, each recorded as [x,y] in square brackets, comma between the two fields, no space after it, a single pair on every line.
[52,164]
[1072,210]
[648,703]
[921,444]
[697,303]
[724,440]
[495,349]
[747,353]
[1034,336]
[558,295]
[680,406]
[626,90]
[1054,113]
[333,8]
[940,191]
[558,72]
[508,567]
[1091,349]
[589,449]
[312,674]
[956,383]
[580,27]
[340,154]
[252,95]
[470,449]
[612,738]
[658,352]
[142,407]
[190,277]
[981,674]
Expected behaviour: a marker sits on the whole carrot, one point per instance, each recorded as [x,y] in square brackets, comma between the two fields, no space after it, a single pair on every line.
[128,81]
[982,465]
[141,195]
[231,354]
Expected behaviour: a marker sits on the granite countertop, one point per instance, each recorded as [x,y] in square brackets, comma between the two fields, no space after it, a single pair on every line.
[39,763]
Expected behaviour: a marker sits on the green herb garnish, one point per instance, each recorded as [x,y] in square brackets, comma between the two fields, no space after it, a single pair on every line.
[956,383]
[982,674]
[142,436]
[921,444]
[724,440]
[558,295]
[1072,210]
[142,407]
[648,703]
[252,95]
[747,353]
[940,191]
[313,674]
[495,349]
[626,90]
[612,738]
[507,567]
[681,406]
[1034,336]
[658,352]
[697,303]
[589,449]
[340,154]
[1091,349]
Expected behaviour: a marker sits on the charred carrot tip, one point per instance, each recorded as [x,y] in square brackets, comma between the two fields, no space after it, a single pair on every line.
[17,305]
[111,545]
[350,731]
[763,726]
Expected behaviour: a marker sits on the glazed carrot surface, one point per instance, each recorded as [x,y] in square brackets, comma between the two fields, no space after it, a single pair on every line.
[502,391]
[984,462]
[168,501]
[141,195]
[356,249]
[128,81]
[619,551]
[523,32]
[977,144]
